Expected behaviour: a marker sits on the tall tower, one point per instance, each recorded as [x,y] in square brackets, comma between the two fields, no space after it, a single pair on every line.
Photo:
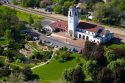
[72,21]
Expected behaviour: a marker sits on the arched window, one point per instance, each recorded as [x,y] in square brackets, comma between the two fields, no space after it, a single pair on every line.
[79,35]
[83,37]
[70,13]
[87,38]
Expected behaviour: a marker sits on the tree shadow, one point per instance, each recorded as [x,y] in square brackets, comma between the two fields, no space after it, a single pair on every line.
[34,77]
[66,60]
[115,40]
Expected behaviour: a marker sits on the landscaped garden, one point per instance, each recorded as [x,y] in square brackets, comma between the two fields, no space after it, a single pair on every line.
[52,72]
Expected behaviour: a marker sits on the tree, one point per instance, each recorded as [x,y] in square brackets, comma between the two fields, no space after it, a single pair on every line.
[83,7]
[15,2]
[113,65]
[67,4]
[16,76]
[104,76]
[74,75]
[99,11]
[8,35]
[57,9]
[45,3]
[31,21]
[28,3]
[27,73]
[67,74]
[110,55]
[94,52]
[88,49]
[38,25]
[91,68]
[63,56]
[78,75]
[119,75]
[5,71]
[1,50]
[98,55]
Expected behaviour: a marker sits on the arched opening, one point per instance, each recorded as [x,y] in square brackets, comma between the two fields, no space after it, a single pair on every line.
[83,37]
[79,35]
[87,38]
[98,42]
[70,13]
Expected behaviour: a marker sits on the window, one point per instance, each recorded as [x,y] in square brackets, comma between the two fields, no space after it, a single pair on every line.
[83,37]
[79,35]
[70,13]
[87,38]
[75,13]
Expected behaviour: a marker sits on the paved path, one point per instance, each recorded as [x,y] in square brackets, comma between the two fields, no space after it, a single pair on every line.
[42,64]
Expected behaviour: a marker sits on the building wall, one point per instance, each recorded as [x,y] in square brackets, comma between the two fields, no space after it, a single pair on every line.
[90,36]
[72,20]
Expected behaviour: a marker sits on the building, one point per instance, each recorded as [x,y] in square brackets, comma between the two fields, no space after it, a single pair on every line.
[83,30]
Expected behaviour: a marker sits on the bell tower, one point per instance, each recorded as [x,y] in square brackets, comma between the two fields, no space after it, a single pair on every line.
[72,21]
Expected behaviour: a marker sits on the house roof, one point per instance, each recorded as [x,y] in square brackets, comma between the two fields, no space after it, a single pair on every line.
[82,25]
[88,26]
[60,24]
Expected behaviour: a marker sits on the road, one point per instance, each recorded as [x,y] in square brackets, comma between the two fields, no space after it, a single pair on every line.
[55,42]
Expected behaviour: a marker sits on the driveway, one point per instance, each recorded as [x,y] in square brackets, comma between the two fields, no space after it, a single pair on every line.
[56,42]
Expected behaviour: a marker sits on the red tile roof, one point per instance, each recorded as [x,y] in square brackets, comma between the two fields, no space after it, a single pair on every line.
[88,26]
[60,24]
[82,25]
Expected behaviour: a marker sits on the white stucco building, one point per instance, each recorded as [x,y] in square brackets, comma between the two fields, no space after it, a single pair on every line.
[83,30]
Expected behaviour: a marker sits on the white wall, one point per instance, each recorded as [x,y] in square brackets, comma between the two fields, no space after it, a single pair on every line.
[91,37]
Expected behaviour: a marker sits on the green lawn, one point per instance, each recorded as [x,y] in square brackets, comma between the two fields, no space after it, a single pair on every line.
[52,72]
[25,16]
[117,46]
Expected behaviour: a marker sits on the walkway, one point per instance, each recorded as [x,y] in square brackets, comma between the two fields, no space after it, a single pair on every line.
[42,64]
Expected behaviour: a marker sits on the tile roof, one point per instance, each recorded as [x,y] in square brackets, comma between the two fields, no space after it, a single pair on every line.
[60,24]
[88,26]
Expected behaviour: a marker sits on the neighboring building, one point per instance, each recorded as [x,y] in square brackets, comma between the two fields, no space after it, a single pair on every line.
[83,30]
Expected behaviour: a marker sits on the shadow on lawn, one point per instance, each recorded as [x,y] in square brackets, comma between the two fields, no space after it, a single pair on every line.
[33,77]
[115,40]
[66,60]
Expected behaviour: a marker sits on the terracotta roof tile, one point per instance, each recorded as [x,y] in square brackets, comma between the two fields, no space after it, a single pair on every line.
[88,26]
[60,24]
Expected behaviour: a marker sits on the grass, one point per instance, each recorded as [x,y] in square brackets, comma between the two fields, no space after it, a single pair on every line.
[117,46]
[52,72]
[23,15]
